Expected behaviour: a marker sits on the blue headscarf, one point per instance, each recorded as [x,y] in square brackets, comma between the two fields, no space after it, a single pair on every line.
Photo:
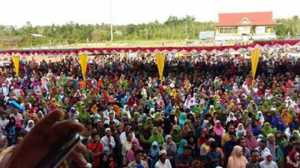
[181,146]
[154,150]
[182,119]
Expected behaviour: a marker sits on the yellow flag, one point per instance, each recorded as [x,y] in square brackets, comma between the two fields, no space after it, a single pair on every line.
[160,62]
[255,54]
[16,62]
[83,60]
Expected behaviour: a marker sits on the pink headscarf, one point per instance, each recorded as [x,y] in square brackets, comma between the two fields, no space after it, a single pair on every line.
[218,128]
[131,153]
[251,141]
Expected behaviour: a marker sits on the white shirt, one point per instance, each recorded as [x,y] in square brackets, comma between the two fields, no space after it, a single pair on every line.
[3,122]
[108,142]
[167,164]
[265,164]
[264,151]
[123,137]
[5,90]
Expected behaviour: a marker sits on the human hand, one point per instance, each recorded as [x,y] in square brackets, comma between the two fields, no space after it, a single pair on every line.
[38,142]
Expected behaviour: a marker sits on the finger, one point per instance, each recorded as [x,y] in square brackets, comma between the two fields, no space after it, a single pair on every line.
[49,120]
[78,159]
[64,129]
[80,148]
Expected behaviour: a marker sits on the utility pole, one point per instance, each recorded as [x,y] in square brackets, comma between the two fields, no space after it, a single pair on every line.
[111,22]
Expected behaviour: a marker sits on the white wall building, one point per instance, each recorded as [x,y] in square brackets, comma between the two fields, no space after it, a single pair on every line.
[245,26]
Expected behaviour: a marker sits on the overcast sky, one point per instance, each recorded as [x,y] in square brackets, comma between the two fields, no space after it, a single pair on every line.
[43,12]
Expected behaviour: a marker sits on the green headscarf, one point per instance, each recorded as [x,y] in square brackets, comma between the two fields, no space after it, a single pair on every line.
[267,129]
[156,136]
[176,135]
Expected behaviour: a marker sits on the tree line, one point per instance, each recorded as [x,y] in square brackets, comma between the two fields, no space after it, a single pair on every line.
[174,28]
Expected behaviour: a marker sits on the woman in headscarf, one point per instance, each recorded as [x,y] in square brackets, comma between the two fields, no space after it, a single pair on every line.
[293,159]
[231,118]
[267,129]
[240,131]
[130,156]
[218,128]
[156,136]
[286,117]
[237,160]
[154,153]
[260,117]
[180,150]
[204,149]
[182,119]
[187,130]
[175,133]
[171,149]
[29,126]
[96,148]
[126,146]
[251,141]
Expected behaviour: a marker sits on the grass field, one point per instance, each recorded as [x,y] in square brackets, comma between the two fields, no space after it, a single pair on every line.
[129,43]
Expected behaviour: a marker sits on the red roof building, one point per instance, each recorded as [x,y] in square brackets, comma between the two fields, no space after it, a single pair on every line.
[250,18]
[251,25]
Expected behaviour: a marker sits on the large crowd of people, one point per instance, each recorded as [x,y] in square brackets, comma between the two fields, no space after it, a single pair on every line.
[206,112]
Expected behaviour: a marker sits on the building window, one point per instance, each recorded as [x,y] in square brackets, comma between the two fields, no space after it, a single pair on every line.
[228,30]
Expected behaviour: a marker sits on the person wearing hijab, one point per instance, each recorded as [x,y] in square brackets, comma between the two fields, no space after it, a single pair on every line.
[180,150]
[182,119]
[175,133]
[205,148]
[154,153]
[231,118]
[126,146]
[218,128]
[171,148]
[240,131]
[96,148]
[156,136]
[286,117]
[237,160]
[267,129]
[293,159]
[251,141]
[29,126]
[130,156]
[260,117]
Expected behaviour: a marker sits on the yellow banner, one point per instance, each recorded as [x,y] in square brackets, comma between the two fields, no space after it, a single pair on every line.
[255,54]
[83,61]
[16,62]
[160,62]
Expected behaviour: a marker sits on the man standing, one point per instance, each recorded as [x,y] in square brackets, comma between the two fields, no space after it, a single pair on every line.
[263,149]
[163,162]
[108,141]
[268,161]
[254,162]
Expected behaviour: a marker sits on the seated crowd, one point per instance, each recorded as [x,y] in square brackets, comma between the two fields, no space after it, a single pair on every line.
[206,112]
